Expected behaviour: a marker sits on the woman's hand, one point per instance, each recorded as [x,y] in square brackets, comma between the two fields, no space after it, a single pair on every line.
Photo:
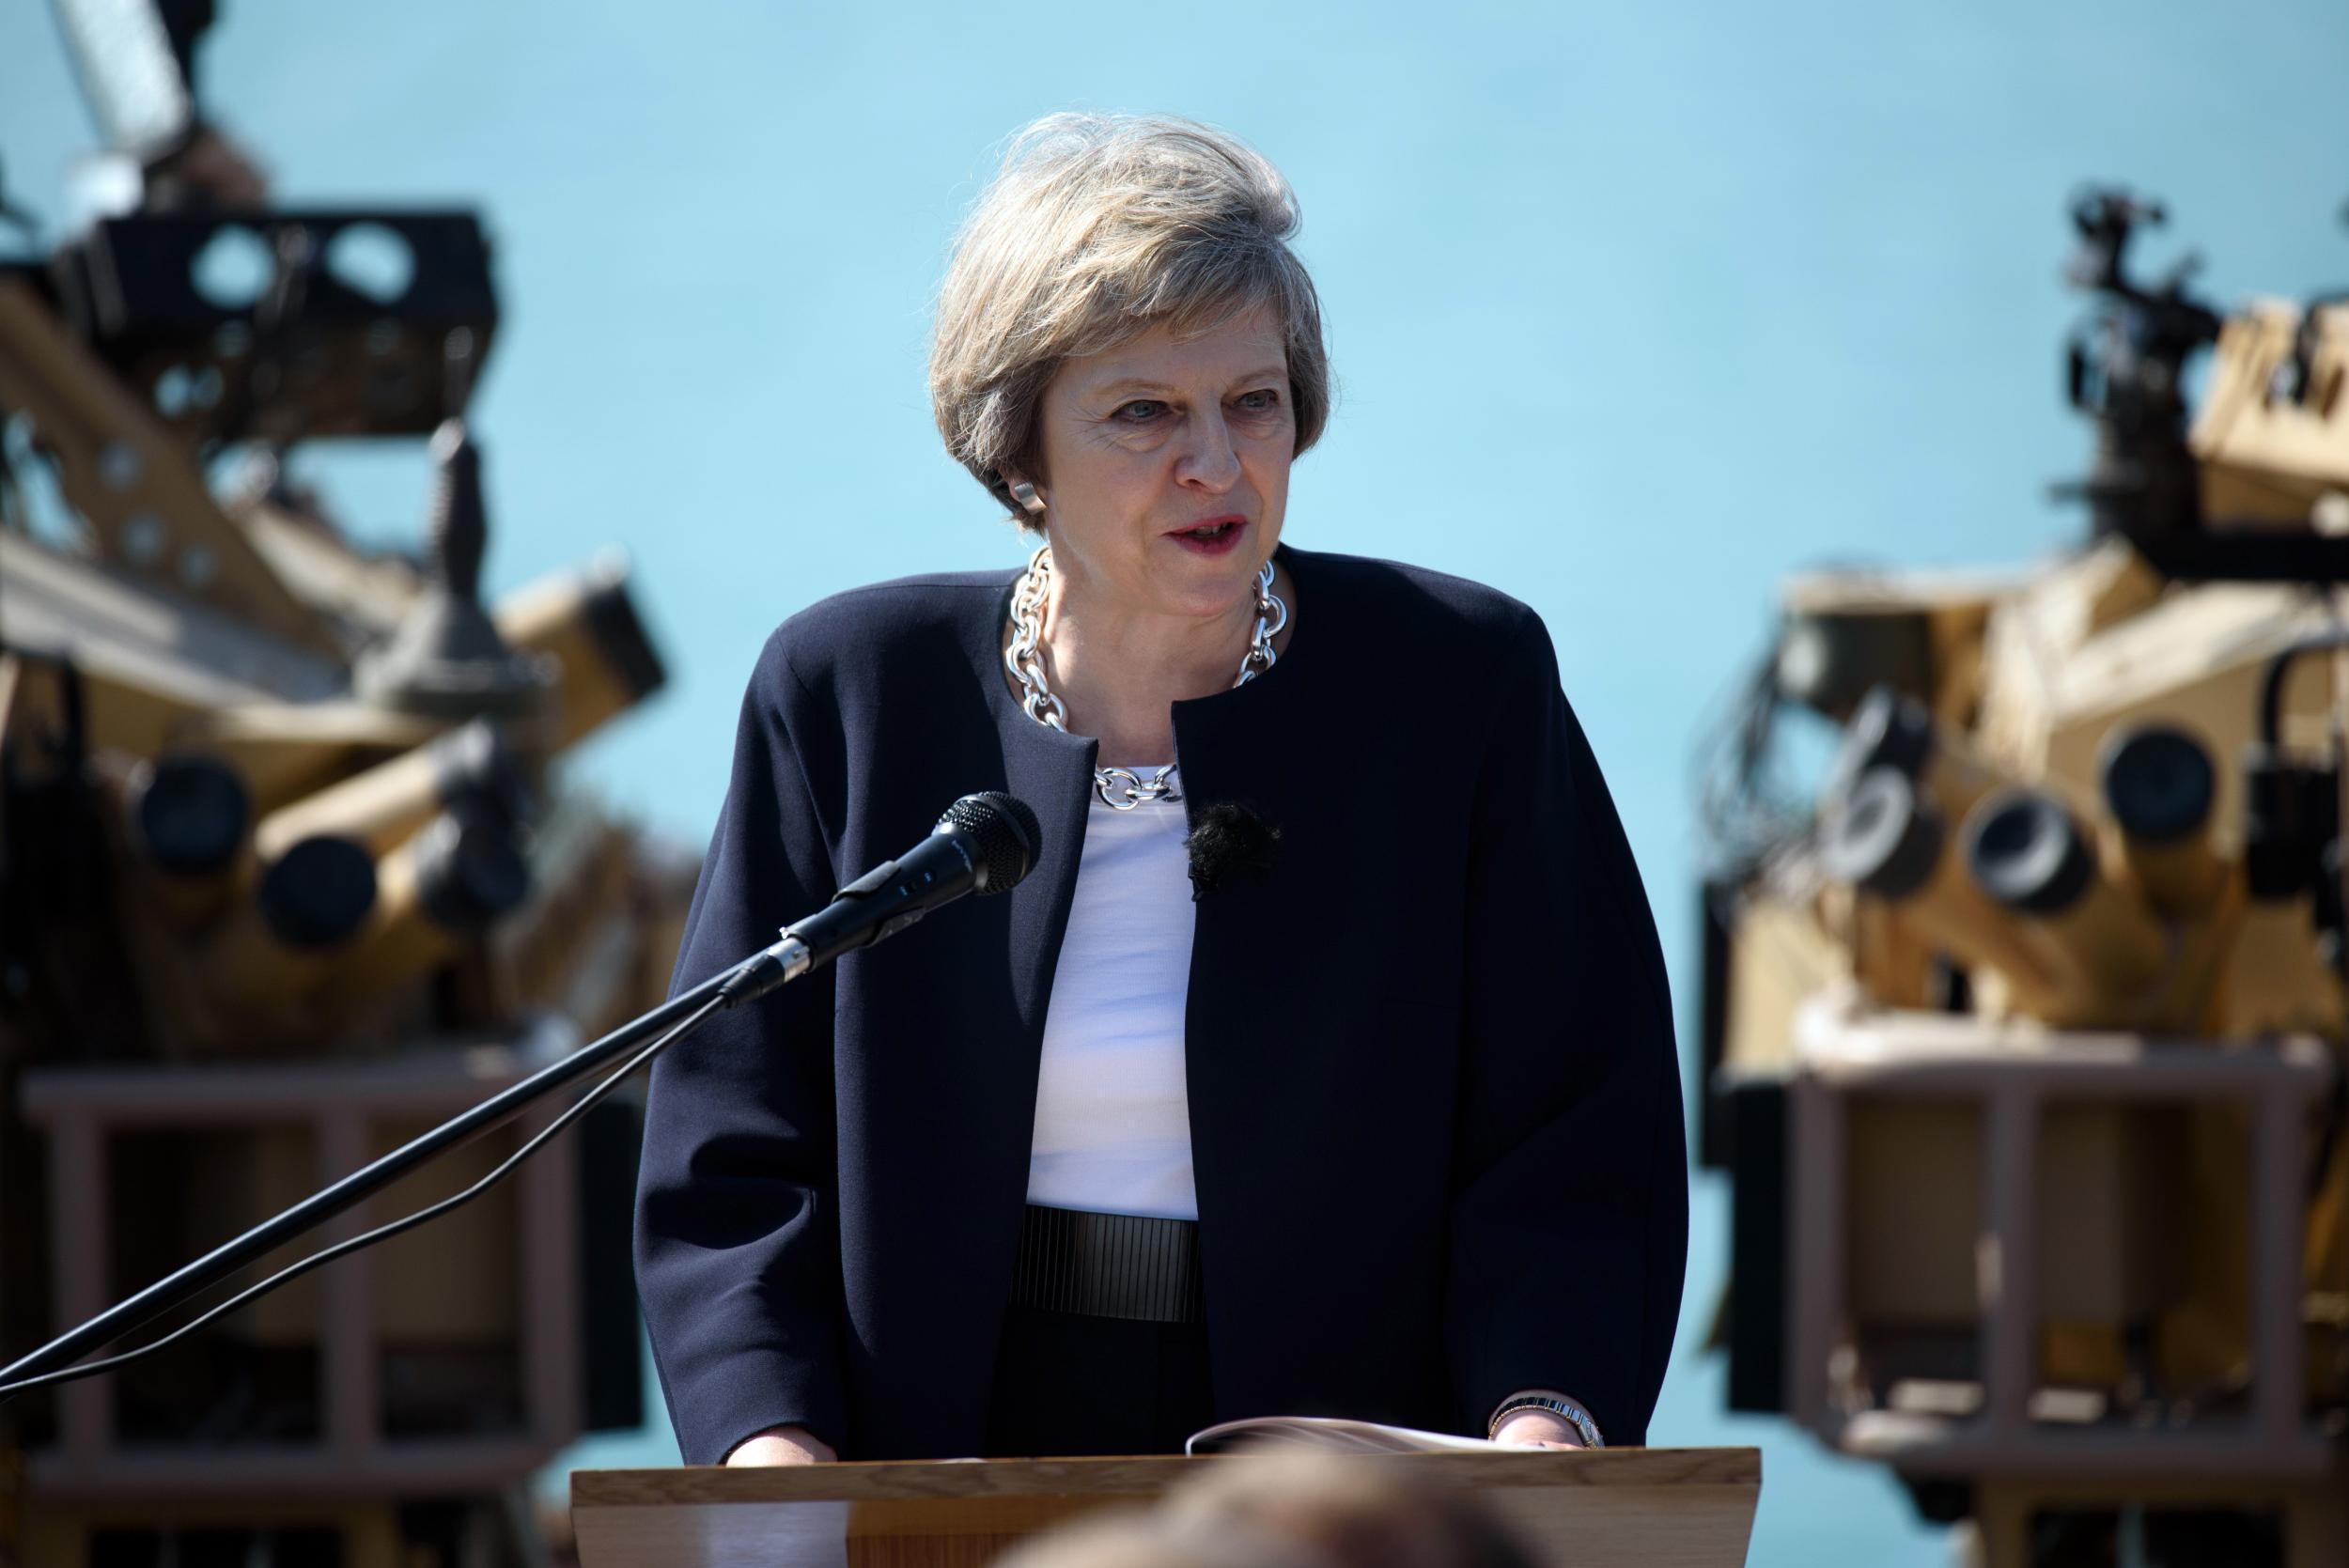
[1533,1429]
[785,1445]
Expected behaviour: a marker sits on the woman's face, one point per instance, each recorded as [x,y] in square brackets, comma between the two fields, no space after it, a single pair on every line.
[1166,466]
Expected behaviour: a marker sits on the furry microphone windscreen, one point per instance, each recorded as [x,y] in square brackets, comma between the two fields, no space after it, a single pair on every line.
[1230,845]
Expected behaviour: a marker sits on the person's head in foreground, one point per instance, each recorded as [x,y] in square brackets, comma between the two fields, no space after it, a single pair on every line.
[1291,1510]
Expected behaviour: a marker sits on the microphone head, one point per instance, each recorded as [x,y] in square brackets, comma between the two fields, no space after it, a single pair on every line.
[1002,834]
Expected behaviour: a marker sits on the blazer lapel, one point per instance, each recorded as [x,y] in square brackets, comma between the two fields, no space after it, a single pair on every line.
[956,1064]
[1052,772]
[1267,747]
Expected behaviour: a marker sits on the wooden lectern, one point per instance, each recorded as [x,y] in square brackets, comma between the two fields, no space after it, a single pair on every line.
[1653,1508]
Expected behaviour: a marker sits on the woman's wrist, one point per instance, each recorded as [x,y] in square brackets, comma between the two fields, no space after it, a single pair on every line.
[780,1444]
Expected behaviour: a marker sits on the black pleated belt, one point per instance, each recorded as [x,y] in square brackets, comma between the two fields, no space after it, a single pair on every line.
[1128,1265]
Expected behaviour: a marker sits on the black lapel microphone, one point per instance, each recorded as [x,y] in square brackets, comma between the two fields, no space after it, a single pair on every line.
[1230,845]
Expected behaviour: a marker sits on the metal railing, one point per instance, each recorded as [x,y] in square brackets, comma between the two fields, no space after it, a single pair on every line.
[2011,1076]
[341,1108]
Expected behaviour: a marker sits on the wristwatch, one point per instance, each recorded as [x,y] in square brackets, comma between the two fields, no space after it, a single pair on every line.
[1565,1409]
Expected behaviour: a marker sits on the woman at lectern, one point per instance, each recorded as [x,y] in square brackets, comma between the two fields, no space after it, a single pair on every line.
[1324,1062]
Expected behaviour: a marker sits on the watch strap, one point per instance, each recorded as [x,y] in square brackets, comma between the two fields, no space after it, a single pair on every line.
[1565,1409]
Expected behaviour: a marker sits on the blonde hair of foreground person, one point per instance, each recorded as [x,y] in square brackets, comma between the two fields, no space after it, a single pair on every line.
[1097,229]
[1288,1510]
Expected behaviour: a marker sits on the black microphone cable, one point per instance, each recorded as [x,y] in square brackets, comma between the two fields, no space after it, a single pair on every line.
[381,1232]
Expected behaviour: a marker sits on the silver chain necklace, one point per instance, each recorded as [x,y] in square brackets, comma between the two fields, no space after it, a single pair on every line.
[1120,788]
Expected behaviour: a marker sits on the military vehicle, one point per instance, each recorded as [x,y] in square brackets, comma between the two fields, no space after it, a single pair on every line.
[2025,1031]
[290,872]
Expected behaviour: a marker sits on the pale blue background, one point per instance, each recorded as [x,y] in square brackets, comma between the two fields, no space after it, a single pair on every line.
[1636,307]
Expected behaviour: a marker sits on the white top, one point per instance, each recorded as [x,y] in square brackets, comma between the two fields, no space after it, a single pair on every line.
[1112,1118]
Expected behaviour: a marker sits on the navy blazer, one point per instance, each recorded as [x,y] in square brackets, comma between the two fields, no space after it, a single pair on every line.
[1435,1105]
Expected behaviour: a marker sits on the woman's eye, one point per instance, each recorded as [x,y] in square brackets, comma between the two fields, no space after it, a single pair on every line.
[1141,410]
[1261,400]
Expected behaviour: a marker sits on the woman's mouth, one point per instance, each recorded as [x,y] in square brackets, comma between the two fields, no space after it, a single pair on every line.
[1215,537]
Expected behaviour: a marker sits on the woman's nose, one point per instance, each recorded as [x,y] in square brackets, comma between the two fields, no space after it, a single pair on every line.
[1208,461]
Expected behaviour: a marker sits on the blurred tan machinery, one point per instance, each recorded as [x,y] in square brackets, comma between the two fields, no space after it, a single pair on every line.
[2026,1034]
[290,873]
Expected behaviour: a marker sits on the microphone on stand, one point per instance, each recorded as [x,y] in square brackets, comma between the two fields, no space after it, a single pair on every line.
[984,843]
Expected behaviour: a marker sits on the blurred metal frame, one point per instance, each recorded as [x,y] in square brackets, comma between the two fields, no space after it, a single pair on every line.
[2013,1073]
[338,1103]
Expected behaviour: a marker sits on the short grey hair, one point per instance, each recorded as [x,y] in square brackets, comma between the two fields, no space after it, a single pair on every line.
[1097,229]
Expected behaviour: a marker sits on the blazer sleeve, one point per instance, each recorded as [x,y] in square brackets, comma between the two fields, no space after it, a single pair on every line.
[1570,1209]
[737,1237]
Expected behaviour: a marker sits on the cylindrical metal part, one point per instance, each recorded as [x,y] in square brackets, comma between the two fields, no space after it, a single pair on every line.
[2030,855]
[589,625]
[2159,785]
[309,900]
[1887,839]
[468,870]
[187,818]
[384,805]
[188,814]
[1889,730]
[453,879]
